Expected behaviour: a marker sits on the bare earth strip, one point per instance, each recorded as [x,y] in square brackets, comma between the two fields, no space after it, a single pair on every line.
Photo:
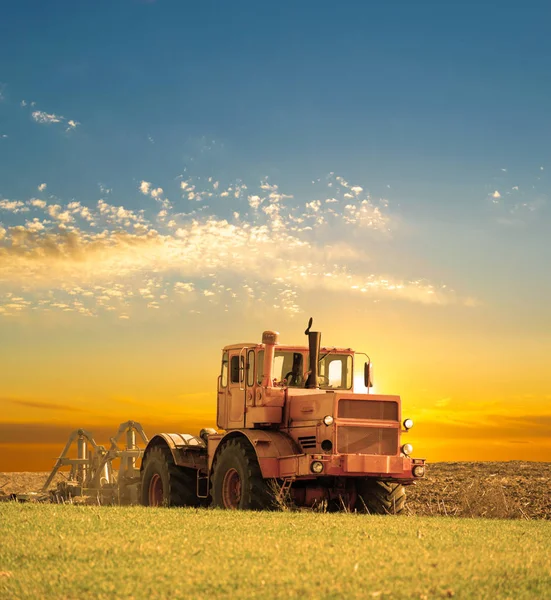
[482,489]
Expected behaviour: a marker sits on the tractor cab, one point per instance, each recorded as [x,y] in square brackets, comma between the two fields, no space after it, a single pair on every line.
[257,380]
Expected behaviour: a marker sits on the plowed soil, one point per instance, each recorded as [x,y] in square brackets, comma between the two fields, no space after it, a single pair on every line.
[513,489]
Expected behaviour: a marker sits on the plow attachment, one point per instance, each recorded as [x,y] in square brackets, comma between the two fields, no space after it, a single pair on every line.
[92,473]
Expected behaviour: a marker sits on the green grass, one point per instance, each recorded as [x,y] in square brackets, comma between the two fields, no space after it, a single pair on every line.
[55,551]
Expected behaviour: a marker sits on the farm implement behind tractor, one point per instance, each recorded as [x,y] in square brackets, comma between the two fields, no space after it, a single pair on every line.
[92,472]
[292,428]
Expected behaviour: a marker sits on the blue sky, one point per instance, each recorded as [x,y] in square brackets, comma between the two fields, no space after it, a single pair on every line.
[168,162]
[431,106]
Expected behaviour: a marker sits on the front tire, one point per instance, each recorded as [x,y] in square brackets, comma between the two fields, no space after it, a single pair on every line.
[237,481]
[164,483]
[380,497]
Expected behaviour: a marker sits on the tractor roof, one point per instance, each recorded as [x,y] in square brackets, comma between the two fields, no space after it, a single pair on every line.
[282,347]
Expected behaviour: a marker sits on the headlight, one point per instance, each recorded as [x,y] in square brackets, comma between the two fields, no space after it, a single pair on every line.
[328,420]
[418,471]
[317,467]
[407,449]
[408,423]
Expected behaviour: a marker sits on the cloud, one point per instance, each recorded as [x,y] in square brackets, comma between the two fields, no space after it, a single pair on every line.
[46,118]
[518,205]
[14,206]
[37,203]
[272,250]
[43,405]
[42,187]
[485,425]
[55,211]
[158,195]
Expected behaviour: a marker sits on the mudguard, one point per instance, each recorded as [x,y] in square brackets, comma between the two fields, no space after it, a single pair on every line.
[269,446]
[187,450]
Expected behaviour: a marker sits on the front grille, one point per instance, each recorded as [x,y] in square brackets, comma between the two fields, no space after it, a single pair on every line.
[368,409]
[367,440]
[307,442]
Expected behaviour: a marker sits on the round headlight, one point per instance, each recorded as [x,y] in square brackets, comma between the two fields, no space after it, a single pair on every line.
[408,423]
[328,420]
[418,471]
[407,449]
[316,466]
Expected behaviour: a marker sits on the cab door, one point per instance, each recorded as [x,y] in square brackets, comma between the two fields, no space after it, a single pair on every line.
[222,403]
[236,389]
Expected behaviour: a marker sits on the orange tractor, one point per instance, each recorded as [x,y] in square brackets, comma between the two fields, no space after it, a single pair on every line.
[294,432]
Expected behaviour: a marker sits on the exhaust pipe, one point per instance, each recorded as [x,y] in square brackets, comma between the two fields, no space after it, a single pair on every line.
[314,341]
[269,339]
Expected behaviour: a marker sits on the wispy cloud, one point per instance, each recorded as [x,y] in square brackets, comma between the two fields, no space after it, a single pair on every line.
[46,118]
[43,117]
[43,405]
[273,248]
[519,196]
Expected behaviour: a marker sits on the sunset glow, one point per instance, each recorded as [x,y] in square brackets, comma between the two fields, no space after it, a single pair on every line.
[162,197]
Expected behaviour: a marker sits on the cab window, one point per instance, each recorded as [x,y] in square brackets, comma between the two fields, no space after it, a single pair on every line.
[288,366]
[336,372]
[250,368]
[224,374]
[234,369]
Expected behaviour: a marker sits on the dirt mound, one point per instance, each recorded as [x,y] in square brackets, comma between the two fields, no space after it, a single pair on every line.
[465,489]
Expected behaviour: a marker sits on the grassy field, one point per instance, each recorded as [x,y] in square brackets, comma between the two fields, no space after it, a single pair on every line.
[64,551]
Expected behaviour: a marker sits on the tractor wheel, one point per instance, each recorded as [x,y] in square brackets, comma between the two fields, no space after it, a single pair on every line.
[237,481]
[380,497]
[166,484]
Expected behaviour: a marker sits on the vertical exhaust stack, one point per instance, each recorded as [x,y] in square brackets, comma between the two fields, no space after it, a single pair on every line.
[269,339]
[314,342]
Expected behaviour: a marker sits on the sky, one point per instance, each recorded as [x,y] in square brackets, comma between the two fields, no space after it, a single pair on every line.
[177,176]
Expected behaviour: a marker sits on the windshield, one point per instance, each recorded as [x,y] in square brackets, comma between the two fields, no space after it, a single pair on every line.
[287,365]
[335,371]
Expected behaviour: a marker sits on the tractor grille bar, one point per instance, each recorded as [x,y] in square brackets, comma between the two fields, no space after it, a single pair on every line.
[367,440]
[368,409]
[307,442]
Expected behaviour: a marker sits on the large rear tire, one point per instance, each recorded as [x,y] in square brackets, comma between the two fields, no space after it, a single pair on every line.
[237,481]
[380,497]
[166,484]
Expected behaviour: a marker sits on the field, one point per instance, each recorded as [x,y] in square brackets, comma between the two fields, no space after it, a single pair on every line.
[485,489]
[70,551]
[67,551]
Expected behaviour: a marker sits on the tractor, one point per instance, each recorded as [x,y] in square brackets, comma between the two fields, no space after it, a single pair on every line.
[292,432]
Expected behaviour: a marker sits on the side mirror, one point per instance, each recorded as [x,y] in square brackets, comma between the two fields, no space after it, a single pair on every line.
[368,375]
